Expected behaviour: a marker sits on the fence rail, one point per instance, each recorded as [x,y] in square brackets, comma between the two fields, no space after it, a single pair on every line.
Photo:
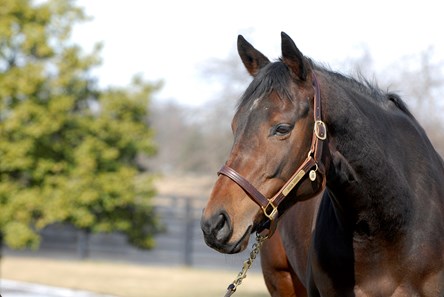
[182,242]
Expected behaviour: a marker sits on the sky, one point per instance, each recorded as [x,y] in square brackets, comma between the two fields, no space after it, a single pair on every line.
[172,40]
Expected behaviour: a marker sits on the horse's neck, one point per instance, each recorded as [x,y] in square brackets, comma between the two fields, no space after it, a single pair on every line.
[365,198]
[370,192]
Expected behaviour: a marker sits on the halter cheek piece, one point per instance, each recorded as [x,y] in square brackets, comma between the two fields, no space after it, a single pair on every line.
[310,165]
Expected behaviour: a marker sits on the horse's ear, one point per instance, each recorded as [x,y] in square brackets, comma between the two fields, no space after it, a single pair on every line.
[253,59]
[293,57]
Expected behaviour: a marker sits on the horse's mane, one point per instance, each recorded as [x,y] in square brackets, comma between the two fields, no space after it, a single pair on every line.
[276,76]
[365,86]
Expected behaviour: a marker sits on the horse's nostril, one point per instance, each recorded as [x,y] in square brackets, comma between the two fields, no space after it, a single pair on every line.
[220,222]
[217,227]
[222,228]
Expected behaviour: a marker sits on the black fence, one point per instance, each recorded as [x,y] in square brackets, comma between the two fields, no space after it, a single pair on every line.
[181,244]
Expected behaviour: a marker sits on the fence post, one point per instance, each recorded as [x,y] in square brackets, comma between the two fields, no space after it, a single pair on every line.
[189,222]
[83,243]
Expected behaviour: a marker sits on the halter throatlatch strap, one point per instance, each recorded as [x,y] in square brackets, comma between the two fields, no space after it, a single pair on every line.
[310,165]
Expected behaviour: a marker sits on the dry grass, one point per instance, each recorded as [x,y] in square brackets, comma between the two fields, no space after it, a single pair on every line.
[129,280]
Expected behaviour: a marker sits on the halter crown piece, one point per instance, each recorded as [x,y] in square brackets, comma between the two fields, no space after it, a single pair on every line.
[310,166]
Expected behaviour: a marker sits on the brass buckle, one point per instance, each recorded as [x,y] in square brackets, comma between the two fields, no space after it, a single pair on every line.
[270,215]
[320,129]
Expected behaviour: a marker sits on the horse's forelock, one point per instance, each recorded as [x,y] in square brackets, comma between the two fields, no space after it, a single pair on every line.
[274,77]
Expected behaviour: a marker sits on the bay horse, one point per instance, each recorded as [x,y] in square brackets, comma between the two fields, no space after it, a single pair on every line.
[300,129]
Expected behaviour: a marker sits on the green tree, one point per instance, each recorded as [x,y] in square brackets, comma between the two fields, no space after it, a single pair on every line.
[68,150]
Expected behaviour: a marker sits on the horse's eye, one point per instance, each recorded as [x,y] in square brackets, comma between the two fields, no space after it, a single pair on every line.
[282,129]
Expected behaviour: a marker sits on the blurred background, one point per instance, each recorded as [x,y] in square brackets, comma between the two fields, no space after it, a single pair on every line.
[115,117]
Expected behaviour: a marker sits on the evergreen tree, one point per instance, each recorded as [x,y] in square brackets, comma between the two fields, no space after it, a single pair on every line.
[68,150]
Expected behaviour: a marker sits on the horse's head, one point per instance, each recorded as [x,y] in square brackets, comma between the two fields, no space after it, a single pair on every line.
[273,133]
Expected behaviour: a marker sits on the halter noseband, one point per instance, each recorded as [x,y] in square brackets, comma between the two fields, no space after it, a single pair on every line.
[270,206]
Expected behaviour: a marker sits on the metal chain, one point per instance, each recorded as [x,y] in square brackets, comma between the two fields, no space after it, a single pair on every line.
[247,264]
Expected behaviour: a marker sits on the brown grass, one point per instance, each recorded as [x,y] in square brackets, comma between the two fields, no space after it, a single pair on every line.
[128,280]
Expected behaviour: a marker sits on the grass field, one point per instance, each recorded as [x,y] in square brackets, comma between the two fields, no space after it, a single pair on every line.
[128,280]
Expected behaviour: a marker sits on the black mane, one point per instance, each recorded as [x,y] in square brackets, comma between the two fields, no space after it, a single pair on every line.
[276,77]
[365,86]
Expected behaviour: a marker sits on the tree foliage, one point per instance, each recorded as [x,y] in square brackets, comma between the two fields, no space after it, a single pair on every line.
[68,150]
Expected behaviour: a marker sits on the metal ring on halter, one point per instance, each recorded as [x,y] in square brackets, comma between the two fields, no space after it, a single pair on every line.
[310,154]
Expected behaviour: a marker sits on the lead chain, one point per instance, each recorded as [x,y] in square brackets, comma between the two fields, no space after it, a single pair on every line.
[247,264]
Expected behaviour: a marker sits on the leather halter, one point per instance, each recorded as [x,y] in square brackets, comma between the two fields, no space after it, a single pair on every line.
[311,165]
